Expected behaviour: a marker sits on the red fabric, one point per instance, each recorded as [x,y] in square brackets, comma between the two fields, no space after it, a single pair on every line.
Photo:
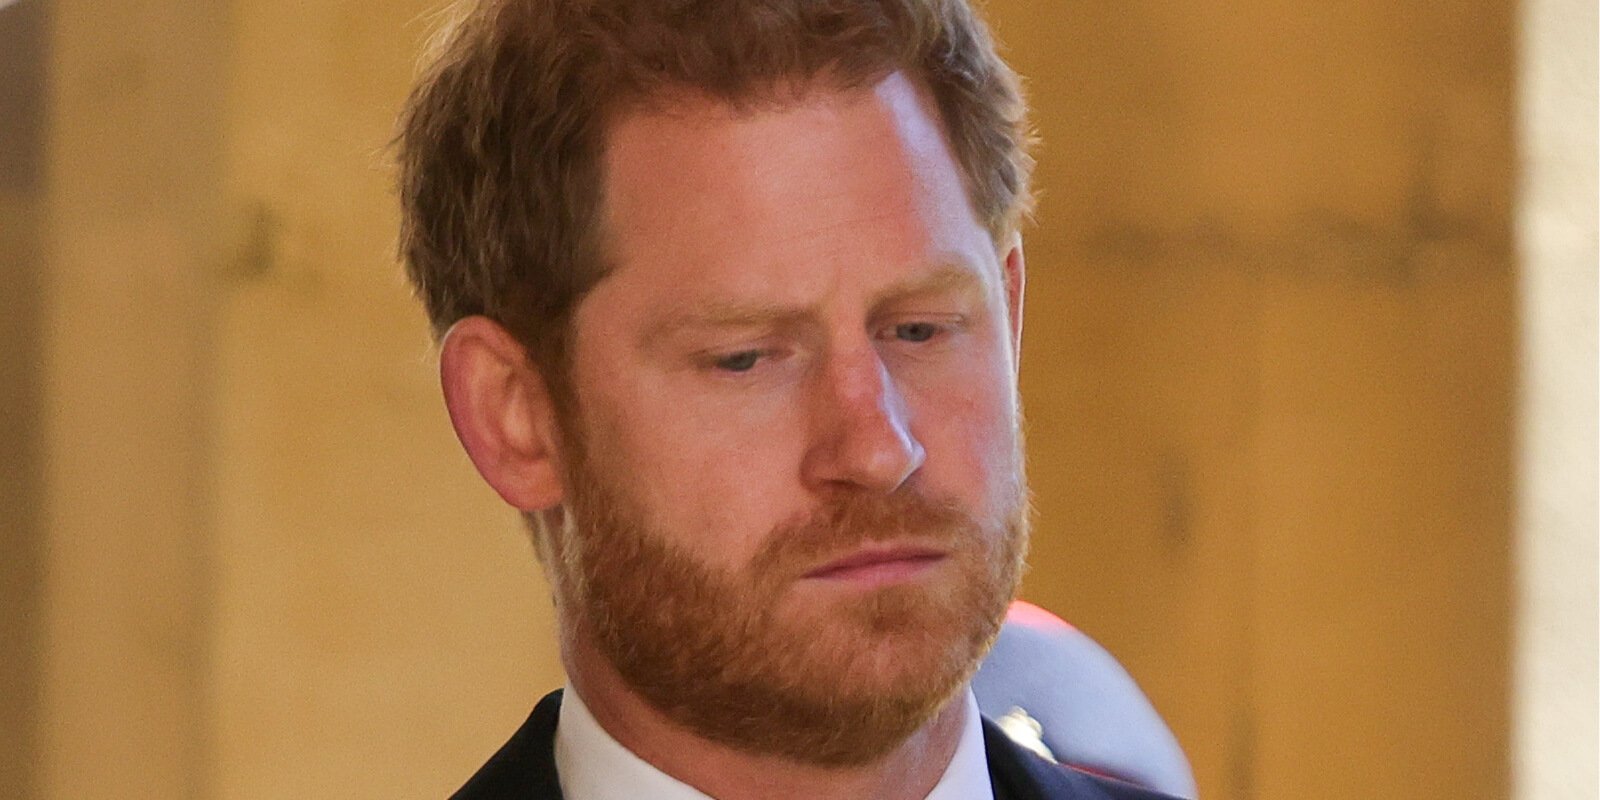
[1029,615]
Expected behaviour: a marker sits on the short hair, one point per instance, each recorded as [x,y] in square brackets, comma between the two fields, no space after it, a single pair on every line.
[500,142]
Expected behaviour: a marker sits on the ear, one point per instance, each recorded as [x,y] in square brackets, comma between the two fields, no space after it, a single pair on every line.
[502,412]
[1016,274]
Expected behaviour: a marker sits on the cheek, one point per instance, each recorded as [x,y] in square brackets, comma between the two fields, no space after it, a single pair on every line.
[712,479]
[970,431]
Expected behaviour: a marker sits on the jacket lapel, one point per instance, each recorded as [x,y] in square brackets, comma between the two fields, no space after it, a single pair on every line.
[525,768]
[1019,774]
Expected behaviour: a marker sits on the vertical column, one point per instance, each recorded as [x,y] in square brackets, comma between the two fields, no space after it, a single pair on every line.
[22,91]
[1554,729]
[376,603]
[135,177]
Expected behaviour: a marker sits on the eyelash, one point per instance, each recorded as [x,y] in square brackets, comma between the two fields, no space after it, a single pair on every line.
[743,361]
[933,329]
[725,363]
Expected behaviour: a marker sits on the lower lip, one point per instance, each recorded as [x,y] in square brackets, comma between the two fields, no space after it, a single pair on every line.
[881,572]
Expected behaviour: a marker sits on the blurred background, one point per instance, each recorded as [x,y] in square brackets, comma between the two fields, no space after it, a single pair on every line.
[1309,371]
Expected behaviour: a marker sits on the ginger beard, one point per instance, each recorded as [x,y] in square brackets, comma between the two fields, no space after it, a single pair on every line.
[736,658]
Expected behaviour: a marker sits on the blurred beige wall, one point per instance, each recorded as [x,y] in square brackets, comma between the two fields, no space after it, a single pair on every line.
[1269,375]
[1268,370]
[133,161]
[381,620]
[1556,735]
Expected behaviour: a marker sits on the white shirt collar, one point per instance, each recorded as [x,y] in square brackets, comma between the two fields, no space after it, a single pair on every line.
[593,766]
[968,773]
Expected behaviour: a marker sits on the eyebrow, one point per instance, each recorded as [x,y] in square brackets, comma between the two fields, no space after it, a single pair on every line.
[724,315]
[948,277]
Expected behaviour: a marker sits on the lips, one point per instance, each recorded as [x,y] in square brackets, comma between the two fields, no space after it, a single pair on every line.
[876,560]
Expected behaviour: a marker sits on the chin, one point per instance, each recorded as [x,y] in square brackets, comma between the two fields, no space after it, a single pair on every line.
[894,639]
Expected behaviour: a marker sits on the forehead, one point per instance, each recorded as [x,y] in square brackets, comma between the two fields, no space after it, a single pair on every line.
[770,195]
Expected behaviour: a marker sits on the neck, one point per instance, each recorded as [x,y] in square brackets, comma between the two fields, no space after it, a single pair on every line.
[909,772]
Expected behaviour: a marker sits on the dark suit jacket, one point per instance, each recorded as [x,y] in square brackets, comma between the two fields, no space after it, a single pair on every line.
[525,769]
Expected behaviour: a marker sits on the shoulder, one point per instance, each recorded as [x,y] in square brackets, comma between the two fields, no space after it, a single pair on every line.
[1019,774]
[525,767]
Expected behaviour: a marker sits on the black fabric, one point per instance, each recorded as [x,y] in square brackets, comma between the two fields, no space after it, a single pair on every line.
[1017,773]
[525,768]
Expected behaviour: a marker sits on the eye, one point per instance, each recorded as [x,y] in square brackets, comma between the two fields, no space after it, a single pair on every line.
[738,362]
[915,331]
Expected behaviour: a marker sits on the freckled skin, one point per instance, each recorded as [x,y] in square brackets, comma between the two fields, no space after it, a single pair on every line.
[805,310]
[816,207]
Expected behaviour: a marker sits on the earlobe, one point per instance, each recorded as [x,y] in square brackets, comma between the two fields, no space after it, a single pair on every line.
[502,413]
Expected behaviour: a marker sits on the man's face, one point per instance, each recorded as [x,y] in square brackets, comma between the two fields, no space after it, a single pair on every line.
[794,485]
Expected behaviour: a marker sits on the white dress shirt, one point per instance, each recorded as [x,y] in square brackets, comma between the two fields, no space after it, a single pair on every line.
[593,766]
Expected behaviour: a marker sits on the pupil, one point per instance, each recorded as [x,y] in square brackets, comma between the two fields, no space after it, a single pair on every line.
[916,331]
[740,362]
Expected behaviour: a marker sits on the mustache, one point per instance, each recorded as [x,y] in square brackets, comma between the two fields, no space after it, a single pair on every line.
[842,526]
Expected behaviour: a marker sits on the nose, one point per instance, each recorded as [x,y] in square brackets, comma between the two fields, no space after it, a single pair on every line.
[861,428]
